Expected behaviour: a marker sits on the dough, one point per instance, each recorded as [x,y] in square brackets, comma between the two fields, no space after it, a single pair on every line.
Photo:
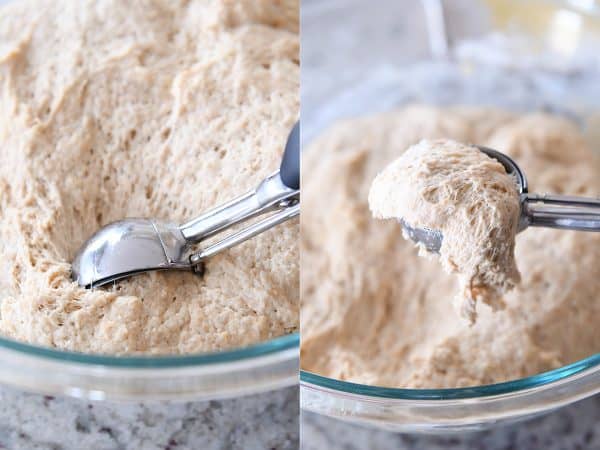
[375,312]
[113,109]
[457,189]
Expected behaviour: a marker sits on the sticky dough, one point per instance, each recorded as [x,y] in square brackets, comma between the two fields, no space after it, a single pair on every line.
[375,312]
[468,197]
[113,109]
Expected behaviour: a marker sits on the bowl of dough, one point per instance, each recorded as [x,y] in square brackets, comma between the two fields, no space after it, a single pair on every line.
[383,343]
[128,109]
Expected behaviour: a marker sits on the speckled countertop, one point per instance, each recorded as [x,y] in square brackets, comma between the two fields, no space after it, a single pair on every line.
[575,427]
[38,422]
[357,59]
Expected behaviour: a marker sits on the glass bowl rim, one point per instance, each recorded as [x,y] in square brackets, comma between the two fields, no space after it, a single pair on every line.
[269,347]
[487,390]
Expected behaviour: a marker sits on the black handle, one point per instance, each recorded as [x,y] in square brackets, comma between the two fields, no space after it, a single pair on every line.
[290,164]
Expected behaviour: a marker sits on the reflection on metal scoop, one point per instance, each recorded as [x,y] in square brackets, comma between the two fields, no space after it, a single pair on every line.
[552,211]
[127,247]
[133,246]
[430,239]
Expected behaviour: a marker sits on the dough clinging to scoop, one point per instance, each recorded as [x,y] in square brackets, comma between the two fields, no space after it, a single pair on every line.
[455,188]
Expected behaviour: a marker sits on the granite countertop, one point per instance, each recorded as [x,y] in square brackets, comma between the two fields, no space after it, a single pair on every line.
[256,422]
[575,427]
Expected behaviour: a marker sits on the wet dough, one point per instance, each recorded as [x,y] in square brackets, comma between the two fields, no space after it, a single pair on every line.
[456,189]
[375,312]
[112,109]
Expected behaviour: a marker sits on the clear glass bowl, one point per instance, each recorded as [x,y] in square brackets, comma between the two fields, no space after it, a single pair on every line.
[515,58]
[269,365]
[443,410]
[266,366]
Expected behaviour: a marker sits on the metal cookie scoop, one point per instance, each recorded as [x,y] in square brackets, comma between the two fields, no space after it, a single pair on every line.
[133,246]
[551,211]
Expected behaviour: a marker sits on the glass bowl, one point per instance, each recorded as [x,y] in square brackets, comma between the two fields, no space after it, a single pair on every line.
[265,366]
[513,58]
[443,410]
[262,367]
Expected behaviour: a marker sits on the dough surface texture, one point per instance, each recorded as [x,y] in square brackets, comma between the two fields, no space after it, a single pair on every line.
[458,190]
[114,109]
[375,312]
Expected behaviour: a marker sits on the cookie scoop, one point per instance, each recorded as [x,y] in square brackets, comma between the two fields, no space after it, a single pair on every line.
[137,245]
[537,210]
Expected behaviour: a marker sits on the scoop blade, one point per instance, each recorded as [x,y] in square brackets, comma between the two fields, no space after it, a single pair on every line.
[428,238]
[128,247]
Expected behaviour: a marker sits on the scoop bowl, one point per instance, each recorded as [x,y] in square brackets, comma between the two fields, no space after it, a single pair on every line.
[127,247]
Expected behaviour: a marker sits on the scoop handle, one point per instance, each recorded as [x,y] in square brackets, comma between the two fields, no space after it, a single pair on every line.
[561,211]
[290,163]
[271,194]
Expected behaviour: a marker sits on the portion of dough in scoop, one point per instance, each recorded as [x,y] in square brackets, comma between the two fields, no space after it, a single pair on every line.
[457,189]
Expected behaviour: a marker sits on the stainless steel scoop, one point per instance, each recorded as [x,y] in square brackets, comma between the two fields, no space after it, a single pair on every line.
[551,211]
[133,246]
